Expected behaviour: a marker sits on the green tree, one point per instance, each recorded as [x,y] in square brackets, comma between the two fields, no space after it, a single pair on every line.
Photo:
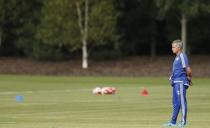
[1,19]
[28,20]
[154,28]
[17,25]
[78,24]
[184,10]
[9,21]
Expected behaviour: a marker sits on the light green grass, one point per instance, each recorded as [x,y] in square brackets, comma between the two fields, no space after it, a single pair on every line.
[68,102]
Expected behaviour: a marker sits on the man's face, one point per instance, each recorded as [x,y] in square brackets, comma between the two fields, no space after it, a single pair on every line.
[175,49]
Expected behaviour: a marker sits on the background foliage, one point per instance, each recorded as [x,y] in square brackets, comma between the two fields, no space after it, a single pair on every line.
[49,29]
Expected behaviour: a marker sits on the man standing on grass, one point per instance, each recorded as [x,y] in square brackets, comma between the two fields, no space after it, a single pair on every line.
[180,80]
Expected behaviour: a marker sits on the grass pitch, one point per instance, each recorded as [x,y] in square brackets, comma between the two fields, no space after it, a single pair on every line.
[68,102]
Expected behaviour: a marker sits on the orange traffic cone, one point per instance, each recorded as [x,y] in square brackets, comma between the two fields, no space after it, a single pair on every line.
[144,92]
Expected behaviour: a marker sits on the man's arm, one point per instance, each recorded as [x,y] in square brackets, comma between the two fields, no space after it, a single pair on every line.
[189,75]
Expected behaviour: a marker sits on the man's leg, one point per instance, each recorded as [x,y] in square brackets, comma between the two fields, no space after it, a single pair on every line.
[183,103]
[176,102]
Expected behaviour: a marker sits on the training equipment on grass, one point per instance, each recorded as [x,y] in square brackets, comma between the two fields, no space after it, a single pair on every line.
[19,98]
[97,90]
[144,92]
[104,91]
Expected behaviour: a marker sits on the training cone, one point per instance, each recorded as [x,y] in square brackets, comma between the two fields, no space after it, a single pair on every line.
[19,98]
[144,92]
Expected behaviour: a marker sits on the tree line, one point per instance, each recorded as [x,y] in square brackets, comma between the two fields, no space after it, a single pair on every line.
[102,29]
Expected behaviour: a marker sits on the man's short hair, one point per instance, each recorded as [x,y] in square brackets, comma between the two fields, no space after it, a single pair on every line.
[178,43]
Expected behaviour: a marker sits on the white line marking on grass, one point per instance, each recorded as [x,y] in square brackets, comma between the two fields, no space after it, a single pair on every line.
[7,122]
[43,91]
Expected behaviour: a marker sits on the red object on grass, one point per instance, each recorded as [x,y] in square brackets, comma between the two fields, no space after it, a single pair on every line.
[144,92]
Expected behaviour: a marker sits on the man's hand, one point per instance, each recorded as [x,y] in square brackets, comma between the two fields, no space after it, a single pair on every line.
[169,78]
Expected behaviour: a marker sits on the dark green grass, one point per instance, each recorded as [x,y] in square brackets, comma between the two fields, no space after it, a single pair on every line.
[68,102]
